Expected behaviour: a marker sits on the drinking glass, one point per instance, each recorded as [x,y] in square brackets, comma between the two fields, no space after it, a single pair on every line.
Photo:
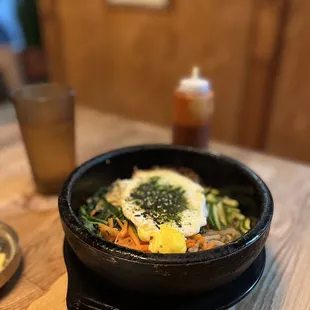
[45,113]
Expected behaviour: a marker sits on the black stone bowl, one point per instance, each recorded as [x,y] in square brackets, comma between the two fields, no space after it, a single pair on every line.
[167,273]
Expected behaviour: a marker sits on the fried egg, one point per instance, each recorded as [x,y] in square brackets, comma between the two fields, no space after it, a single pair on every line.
[155,197]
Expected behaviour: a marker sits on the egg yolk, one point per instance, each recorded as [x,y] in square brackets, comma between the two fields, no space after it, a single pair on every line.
[167,240]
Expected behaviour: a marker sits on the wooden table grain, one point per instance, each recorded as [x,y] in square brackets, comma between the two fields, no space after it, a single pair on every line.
[41,282]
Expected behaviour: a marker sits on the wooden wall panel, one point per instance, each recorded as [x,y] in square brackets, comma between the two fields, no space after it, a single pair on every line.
[288,132]
[264,45]
[128,61]
[230,32]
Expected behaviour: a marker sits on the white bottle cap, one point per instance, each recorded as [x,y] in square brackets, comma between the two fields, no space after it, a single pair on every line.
[194,83]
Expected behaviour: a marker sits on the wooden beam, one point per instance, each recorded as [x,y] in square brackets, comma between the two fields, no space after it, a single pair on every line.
[288,131]
[268,18]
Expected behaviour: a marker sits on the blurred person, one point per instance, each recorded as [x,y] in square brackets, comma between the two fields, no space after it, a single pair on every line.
[12,43]
[33,56]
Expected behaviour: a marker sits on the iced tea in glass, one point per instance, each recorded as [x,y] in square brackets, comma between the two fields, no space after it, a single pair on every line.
[45,114]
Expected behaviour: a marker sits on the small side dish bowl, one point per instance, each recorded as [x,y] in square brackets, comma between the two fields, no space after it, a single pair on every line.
[10,250]
[167,273]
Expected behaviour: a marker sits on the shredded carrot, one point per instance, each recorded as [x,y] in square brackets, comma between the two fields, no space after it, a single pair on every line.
[197,237]
[119,222]
[129,243]
[123,241]
[144,248]
[202,242]
[93,212]
[126,242]
[112,231]
[110,221]
[123,231]
[190,243]
[133,236]
[127,238]
[205,245]
[108,237]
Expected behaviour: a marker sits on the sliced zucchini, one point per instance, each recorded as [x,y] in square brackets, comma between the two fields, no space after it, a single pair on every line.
[232,220]
[242,229]
[210,222]
[211,198]
[215,191]
[231,209]
[230,202]
[224,212]
[228,212]
[207,190]
[238,216]
[232,216]
[247,223]
[214,215]
[221,214]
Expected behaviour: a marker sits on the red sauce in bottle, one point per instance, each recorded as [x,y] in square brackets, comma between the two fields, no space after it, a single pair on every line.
[192,113]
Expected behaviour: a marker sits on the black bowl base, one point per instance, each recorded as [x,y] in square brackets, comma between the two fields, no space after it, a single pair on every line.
[88,291]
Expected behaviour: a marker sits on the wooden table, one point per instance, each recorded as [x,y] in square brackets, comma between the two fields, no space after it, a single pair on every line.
[42,282]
